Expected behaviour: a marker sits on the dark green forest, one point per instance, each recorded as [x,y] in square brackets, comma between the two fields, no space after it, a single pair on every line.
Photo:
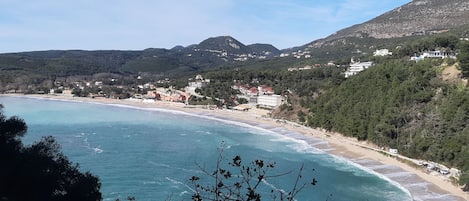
[403,105]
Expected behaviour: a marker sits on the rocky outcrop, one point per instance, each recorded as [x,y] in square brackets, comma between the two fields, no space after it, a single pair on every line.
[419,17]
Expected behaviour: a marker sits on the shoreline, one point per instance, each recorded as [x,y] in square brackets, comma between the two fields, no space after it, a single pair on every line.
[420,184]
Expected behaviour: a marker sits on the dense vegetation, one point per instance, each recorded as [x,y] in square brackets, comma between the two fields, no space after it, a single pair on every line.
[302,83]
[444,42]
[402,105]
[39,171]
[463,58]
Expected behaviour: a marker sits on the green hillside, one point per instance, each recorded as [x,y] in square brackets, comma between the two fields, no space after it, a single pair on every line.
[403,105]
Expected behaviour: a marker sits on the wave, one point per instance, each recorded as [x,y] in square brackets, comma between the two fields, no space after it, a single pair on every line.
[378,167]
[273,187]
[420,184]
[149,182]
[399,174]
[87,144]
[174,168]
[300,143]
[97,150]
[280,133]
[435,197]
[179,183]
[351,166]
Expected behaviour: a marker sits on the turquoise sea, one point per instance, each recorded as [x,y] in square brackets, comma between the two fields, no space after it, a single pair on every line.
[152,153]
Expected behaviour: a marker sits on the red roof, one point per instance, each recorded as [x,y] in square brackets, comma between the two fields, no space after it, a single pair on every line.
[253,90]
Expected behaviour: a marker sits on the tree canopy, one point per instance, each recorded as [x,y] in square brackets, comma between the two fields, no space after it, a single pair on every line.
[402,105]
[463,58]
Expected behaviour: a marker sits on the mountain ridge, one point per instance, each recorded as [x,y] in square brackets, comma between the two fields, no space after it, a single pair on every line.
[402,23]
[416,18]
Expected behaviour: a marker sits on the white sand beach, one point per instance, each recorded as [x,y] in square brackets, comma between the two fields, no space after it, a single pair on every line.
[421,184]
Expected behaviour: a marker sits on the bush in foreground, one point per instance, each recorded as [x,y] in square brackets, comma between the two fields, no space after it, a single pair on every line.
[39,171]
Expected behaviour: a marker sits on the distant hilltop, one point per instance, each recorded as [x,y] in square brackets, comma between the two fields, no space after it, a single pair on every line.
[230,49]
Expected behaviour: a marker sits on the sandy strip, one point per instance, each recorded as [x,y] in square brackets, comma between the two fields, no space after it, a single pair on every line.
[422,185]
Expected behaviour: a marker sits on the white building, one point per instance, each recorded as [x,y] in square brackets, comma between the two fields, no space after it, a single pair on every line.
[356,67]
[433,54]
[382,53]
[270,100]
[199,82]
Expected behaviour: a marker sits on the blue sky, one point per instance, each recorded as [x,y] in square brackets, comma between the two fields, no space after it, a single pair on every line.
[29,25]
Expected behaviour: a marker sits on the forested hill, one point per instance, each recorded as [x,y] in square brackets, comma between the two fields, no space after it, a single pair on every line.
[403,105]
[209,54]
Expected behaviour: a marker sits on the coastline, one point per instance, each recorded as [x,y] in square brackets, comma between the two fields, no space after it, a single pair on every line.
[421,185]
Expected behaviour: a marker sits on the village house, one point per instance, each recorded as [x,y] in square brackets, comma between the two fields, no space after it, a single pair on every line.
[168,95]
[307,67]
[253,91]
[433,54]
[331,64]
[199,82]
[262,96]
[265,90]
[356,67]
[246,90]
[382,53]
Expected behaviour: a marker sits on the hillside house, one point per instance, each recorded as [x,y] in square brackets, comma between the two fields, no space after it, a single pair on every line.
[246,90]
[433,54]
[198,82]
[356,67]
[331,64]
[265,90]
[382,53]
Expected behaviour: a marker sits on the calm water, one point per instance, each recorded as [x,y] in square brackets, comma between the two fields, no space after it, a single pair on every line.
[151,154]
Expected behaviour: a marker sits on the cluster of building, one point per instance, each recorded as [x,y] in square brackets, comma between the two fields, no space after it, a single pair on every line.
[382,53]
[261,96]
[165,94]
[198,82]
[298,54]
[356,67]
[433,54]
[236,57]
[309,67]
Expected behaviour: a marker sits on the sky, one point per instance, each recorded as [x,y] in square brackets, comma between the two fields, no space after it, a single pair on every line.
[32,25]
